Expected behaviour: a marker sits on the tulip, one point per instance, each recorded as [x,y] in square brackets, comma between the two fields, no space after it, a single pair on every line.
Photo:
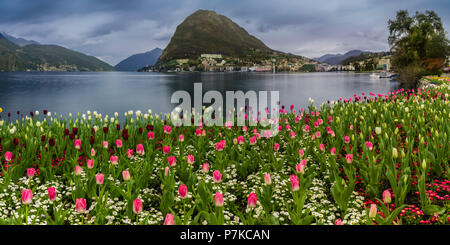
[140,149]
[349,158]
[167,129]
[166,149]
[300,168]
[333,151]
[172,161]
[114,160]
[252,140]
[338,222]
[151,135]
[78,170]
[182,190]
[394,153]
[31,172]
[322,147]
[252,200]
[99,179]
[190,159]
[217,176]
[301,152]
[373,210]
[267,179]
[346,139]
[219,146]
[295,183]
[205,168]
[80,205]
[119,143]
[90,164]
[105,144]
[378,130]
[387,196]
[276,147]
[241,140]
[93,152]
[137,206]
[170,219]
[27,195]
[51,193]
[181,138]
[126,175]
[218,199]
[369,145]
[77,144]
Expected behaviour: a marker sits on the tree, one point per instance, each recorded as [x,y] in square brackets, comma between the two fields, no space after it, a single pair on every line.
[419,45]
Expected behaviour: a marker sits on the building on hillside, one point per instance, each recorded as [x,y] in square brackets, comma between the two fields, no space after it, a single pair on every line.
[384,63]
[211,56]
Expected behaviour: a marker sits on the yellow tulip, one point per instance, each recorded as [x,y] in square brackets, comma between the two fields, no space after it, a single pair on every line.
[1,110]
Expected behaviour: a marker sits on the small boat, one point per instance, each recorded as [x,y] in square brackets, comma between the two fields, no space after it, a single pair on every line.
[385,74]
[374,76]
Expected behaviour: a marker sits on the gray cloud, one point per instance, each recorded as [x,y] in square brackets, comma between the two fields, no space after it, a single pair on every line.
[114,29]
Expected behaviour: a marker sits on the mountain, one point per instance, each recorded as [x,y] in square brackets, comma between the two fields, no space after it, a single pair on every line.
[137,61]
[336,59]
[18,41]
[37,57]
[206,32]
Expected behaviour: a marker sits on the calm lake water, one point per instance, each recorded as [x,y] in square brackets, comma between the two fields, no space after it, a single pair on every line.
[109,92]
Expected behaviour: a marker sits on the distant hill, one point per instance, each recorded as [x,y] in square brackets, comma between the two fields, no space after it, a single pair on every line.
[206,32]
[18,41]
[336,59]
[137,61]
[37,57]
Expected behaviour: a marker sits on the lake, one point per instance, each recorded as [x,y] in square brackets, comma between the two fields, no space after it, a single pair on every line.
[109,92]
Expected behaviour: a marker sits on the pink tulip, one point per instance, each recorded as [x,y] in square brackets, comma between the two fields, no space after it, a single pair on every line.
[31,172]
[205,168]
[99,178]
[338,222]
[300,168]
[114,160]
[140,149]
[318,134]
[292,134]
[137,206]
[90,164]
[241,140]
[198,132]
[172,161]
[349,158]
[181,138]
[166,171]
[235,141]
[276,147]
[252,200]
[27,195]
[190,159]
[322,147]
[306,128]
[78,170]
[130,153]
[346,139]
[267,179]
[80,205]
[387,196]
[151,135]
[8,156]
[252,140]
[301,152]
[166,149]
[119,143]
[219,146]
[218,199]
[217,176]
[51,193]
[126,175]
[333,151]
[77,144]
[369,145]
[182,190]
[373,210]
[294,182]
[93,152]
[170,219]
[167,129]
[105,144]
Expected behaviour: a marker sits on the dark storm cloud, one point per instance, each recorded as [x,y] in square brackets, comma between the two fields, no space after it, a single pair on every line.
[114,29]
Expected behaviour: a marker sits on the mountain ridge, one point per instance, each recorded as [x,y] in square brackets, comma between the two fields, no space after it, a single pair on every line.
[137,61]
[336,59]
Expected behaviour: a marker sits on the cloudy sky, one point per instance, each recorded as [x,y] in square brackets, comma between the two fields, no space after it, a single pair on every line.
[115,29]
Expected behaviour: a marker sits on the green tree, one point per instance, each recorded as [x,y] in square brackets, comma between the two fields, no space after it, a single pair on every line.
[419,45]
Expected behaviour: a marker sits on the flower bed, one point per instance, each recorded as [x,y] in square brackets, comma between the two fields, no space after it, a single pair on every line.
[370,159]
